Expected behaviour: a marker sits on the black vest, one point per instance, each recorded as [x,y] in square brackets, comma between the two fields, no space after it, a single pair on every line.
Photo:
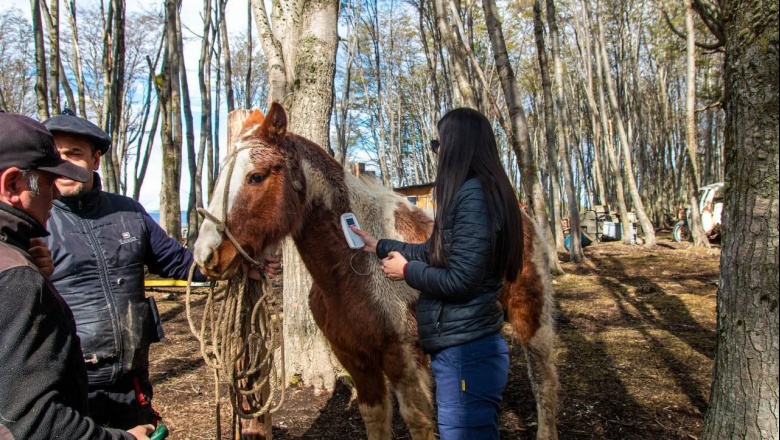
[98,244]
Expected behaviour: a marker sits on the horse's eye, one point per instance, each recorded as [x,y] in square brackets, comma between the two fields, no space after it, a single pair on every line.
[256,178]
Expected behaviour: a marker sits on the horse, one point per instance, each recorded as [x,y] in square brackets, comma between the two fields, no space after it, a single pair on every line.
[277,184]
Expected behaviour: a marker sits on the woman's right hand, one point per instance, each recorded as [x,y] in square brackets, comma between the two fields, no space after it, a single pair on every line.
[141,432]
[368,239]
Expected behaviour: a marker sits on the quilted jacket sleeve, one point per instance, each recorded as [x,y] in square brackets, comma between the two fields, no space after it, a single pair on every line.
[410,251]
[165,256]
[470,251]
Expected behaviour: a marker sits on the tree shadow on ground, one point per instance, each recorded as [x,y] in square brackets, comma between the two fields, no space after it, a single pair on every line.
[658,310]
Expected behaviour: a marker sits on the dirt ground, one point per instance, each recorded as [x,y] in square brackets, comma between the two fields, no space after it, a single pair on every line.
[636,340]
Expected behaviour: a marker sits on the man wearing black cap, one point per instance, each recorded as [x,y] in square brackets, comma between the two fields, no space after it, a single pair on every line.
[102,243]
[43,378]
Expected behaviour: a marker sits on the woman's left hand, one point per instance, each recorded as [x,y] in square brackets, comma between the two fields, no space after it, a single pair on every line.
[393,266]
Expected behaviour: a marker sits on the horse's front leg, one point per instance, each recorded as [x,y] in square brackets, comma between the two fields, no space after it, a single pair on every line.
[373,399]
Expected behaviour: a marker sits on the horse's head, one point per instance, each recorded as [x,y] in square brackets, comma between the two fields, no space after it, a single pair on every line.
[258,198]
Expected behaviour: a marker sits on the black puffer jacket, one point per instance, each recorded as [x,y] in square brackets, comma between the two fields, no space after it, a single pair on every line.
[100,243]
[43,381]
[458,303]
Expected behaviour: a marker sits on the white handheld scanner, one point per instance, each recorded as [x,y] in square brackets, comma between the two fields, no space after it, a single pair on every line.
[353,240]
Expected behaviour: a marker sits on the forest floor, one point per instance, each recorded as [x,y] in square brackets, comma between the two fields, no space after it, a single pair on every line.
[636,342]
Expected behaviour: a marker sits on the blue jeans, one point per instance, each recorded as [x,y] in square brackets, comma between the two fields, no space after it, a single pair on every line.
[470,379]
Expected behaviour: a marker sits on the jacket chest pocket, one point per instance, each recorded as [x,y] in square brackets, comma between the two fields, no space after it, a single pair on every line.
[123,242]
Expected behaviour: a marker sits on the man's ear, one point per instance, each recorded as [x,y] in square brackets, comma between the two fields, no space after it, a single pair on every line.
[12,183]
[96,157]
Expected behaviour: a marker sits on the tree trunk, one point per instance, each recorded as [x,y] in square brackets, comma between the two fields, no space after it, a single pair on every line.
[521,141]
[301,53]
[628,168]
[699,236]
[70,5]
[51,16]
[464,93]
[744,398]
[231,105]
[170,207]
[575,244]
[549,130]
[40,62]
[204,83]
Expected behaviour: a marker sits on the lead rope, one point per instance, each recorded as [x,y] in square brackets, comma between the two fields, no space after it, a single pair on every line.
[238,340]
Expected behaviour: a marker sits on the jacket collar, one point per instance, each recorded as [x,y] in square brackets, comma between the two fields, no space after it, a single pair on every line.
[84,202]
[17,227]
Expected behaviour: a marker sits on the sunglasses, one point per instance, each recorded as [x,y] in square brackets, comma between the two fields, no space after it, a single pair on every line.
[435,146]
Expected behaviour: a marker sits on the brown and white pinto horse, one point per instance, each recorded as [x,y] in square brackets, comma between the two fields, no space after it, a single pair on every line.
[281,184]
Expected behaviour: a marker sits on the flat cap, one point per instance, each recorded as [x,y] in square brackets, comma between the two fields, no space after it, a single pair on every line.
[69,123]
[26,144]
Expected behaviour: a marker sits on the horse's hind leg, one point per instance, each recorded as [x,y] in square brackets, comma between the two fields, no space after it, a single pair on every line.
[410,377]
[544,380]
[373,401]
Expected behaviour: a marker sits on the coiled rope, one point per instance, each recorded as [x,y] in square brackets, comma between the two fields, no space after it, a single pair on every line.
[239,335]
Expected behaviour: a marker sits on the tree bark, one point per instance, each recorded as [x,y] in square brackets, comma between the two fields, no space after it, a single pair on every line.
[521,141]
[70,5]
[575,244]
[549,130]
[744,398]
[41,93]
[170,207]
[51,16]
[231,104]
[300,46]
[699,236]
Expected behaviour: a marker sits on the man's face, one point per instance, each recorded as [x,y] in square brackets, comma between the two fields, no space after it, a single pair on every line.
[79,151]
[38,206]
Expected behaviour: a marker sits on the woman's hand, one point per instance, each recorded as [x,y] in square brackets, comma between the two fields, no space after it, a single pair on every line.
[141,432]
[41,256]
[368,239]
[393,266]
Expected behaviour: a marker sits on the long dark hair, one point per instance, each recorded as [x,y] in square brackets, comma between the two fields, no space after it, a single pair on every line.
[468,149]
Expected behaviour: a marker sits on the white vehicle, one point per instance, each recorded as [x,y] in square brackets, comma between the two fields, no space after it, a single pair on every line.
[710,207]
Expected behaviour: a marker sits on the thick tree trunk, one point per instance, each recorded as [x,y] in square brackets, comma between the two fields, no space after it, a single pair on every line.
[744,399]
[521,141]
[300,46]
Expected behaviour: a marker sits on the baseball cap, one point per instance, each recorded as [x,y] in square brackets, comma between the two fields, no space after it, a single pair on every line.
[25,143]
[69,123]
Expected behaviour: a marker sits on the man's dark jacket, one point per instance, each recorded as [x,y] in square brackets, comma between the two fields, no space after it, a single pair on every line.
[43,379]
[458,303]
[100,243]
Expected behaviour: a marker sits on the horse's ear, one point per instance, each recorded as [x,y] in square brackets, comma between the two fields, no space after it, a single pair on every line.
[274,127]
[252,123]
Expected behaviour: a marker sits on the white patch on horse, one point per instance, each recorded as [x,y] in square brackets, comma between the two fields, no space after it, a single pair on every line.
[209,238]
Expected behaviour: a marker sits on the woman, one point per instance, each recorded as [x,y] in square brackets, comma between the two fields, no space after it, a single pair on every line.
[475,245]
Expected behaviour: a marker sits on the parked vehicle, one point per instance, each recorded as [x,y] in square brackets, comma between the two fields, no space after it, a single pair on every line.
[711,208]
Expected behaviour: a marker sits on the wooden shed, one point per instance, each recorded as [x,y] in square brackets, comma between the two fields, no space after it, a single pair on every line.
[419,195]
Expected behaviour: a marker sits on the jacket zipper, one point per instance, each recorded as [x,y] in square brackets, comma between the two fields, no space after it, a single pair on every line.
[103,267]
